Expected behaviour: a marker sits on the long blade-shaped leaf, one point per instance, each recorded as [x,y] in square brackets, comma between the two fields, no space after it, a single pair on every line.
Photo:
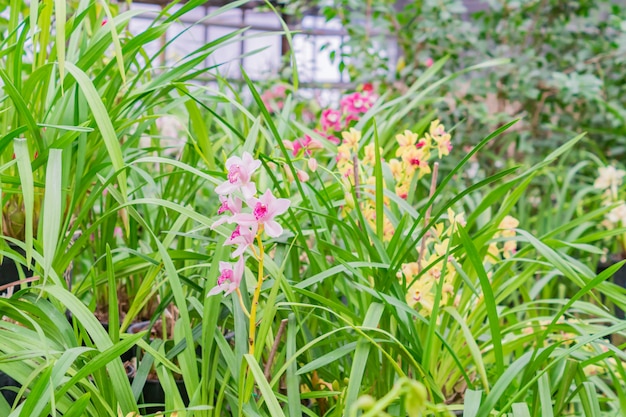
[52,208]
[59,6]
[21,107]
[28,192]
[490,301]
[119,58]
[104,123]
[266,391]
[361,354]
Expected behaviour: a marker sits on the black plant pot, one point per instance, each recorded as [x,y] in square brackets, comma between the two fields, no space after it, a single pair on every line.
[619,278]
[9,388]
[153,396]
[9,272]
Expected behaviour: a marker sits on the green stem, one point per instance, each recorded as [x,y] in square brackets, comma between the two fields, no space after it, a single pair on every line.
[257,292]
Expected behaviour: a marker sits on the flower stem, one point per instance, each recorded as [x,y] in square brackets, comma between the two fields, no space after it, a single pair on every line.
[257,293]
[433,188]
[243,306]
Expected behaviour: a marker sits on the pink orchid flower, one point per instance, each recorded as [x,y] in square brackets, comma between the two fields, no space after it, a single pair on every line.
[307,143]
[232,204]
[243,237]
[240,172]
[273,99]
[357,103]
[229,279]
[331,119]
[229,203]
[264,210]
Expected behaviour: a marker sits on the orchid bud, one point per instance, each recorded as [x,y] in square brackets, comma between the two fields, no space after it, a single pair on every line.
[288,174]
[312,163]
[288,145]
[315,144]
[302,176]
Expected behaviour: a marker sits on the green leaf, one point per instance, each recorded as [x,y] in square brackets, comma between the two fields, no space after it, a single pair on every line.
[266,391]
[103,121]
[372,318]
[520,410]
[52,208]
[490,301]
[327,358]
[378,175]
[77,409]
[293,386]
[59,6]
[114,319]
[120,384]
[472,402]
[119,56]
[545,396]
[21,108]
[28,192]
[503,382]
[472,345]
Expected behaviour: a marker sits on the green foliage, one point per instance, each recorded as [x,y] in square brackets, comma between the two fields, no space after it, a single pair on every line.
[371,302]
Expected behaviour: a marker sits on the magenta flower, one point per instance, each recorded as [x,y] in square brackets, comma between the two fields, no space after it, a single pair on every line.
[240,172]
[232,204]
[331,119]
[264,210]
[229,279]
[306,143]
[357,103]
[229,203]
[243,237]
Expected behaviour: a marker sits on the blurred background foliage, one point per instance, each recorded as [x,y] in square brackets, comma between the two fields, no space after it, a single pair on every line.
[567,69]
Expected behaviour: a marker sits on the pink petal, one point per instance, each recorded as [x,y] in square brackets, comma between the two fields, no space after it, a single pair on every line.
[224,265]
[234,205]
[240,250]
[248,190]
[273,229]
[243,219]
[234,160]
[266,198]
[219,222]
[230,288]
[279,206]
[226,188]
[238,271]
[216,290]
[256,164]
